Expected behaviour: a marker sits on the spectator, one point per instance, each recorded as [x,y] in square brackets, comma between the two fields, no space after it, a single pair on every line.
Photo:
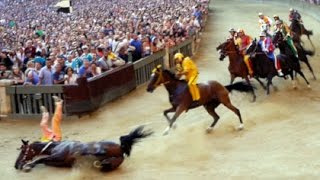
[70,77]
[137,44]
[58,75]
[17,76]
[84,70]
[4,73]
[95,69]
[32,78]
[45,74]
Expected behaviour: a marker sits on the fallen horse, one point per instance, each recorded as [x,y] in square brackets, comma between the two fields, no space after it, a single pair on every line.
[107,155]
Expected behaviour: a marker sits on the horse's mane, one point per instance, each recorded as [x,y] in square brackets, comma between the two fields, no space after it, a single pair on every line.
[172,75]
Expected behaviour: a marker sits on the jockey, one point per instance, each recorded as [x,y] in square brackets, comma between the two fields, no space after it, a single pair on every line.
[243,41]
[233,34]
[294,15]
[286,34]
[53,134]
[190,70]
[268,47]
[264,20]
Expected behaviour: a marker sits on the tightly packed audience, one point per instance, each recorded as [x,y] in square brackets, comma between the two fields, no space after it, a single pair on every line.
[40,46]
[317,2]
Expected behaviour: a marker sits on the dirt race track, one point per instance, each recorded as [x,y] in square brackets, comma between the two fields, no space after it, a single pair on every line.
[281,139]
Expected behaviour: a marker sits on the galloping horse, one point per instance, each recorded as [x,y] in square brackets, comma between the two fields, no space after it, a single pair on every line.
[264,67]
[108,155]
[302,52]
[297,30]
[284,48]
[237,66]
[212,94]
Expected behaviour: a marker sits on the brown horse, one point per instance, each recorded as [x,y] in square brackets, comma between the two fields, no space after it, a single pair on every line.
[297,30]
[212,95]
[237,66]
[108,155]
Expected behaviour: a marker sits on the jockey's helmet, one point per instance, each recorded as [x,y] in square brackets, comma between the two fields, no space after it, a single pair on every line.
[291,9]
[232,30]
[276,16]
[260,14]
[263,34]
[178,56]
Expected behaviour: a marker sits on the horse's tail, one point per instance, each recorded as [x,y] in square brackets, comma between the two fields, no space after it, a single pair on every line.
[133,137]
[240,86]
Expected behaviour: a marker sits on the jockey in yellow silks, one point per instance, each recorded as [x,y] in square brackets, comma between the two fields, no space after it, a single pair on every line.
[54,134]
[190,70]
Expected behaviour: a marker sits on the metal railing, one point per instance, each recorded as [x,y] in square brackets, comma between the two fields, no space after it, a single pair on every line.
[26,100]
[144,66]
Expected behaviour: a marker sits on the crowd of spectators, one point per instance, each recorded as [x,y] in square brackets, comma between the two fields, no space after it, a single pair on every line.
[40,46]
[317,2]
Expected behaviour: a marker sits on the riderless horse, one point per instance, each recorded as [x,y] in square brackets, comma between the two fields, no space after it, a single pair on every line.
[212,95]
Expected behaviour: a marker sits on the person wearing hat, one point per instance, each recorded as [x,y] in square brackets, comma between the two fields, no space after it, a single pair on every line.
[284,29]
[294,15]
[86,53]
[233,34]
[263,19]
[243,41]
[190,70]
[267,46]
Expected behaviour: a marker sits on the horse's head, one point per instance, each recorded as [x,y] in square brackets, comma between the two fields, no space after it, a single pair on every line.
[225,48]
[277,38]
[252,48]
[156,78]
[26,154]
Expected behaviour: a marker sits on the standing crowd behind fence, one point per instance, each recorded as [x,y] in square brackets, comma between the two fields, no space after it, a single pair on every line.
[42,47]
[89,44]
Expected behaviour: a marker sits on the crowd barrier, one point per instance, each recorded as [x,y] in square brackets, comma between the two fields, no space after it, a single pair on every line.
[23,102]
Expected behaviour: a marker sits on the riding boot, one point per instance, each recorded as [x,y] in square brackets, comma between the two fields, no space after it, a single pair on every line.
[280,73]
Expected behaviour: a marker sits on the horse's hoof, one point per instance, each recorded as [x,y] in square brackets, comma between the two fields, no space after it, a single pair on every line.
[241,126]
[309,86]
[166,131]
[26,168]
[97,164]
[209,130]
[174,126]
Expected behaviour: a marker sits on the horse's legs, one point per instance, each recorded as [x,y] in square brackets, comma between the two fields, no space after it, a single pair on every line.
[253,94]
[179,110]
[292,79]
[310,68]
[226,102]
[232,77]
[261,83]
[165,113]
[302,75]
[211,110]
[269,79]
[110,164]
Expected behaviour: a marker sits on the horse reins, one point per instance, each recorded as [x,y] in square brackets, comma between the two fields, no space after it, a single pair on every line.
[33,152]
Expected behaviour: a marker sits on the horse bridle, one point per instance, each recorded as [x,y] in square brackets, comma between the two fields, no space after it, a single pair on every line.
[27,151]
[160,78]
[33,151]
